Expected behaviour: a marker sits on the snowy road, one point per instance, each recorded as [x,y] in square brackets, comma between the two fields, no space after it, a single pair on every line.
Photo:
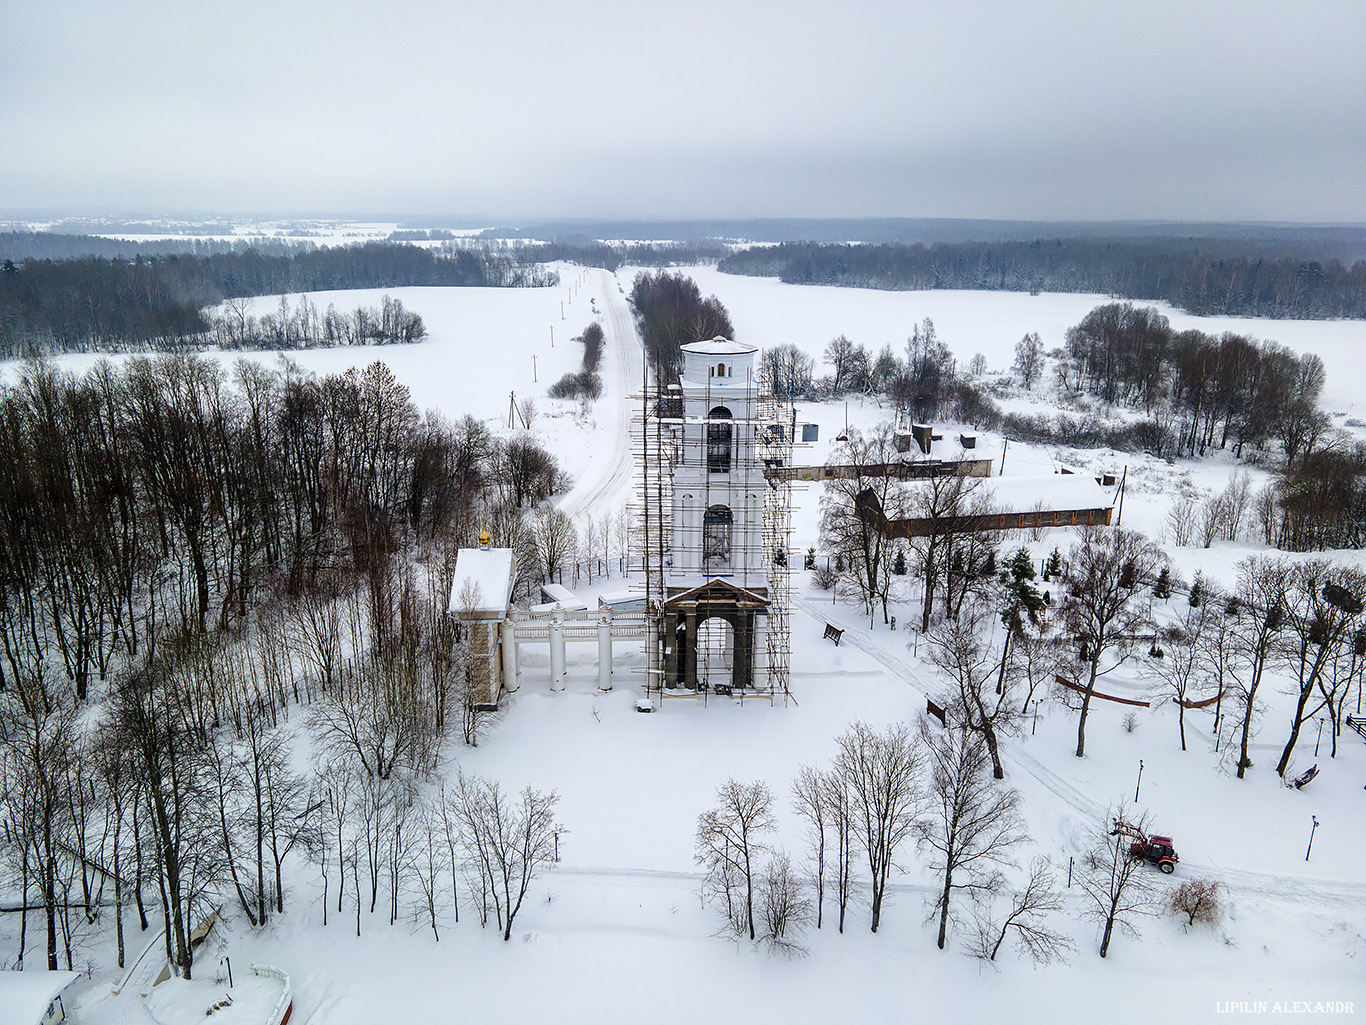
[606,483]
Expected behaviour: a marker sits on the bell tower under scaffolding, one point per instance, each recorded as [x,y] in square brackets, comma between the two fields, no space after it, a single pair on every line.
[714,509]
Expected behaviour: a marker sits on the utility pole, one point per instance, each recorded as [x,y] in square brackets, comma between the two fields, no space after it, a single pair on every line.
[1119,518]
[552,336]
[533,367]
[1005,447]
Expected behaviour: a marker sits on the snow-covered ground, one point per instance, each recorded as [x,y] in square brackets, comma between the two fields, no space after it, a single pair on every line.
[616,932]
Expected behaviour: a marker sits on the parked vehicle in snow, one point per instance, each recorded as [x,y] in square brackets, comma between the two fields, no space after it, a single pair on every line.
[1157,850]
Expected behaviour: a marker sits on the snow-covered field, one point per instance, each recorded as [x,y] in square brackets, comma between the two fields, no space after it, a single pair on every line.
[767,312]
[617,934]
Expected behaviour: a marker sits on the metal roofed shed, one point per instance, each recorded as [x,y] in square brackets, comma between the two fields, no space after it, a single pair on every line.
[34,997]
[558,594]
[632,600]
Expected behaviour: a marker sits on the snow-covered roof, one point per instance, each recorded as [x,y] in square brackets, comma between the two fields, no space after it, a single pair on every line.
[719,346]
[1048,492]
[624,599]
[25,996]
[490,571]
[558,594]
[948,443]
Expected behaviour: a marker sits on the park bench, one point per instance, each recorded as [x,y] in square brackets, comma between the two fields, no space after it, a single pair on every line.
[833,633]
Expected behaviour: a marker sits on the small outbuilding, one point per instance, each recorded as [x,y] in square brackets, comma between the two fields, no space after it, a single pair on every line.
[35,997]
[481,595]
[1009,503]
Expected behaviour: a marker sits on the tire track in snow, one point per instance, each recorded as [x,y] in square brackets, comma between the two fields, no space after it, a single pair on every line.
[608,479]
[1329,892]
[651,878]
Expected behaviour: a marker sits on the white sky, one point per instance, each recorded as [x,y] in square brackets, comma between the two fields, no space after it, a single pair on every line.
[1231,109]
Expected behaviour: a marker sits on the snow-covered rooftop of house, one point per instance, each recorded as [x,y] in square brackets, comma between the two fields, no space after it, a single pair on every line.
[1054,491]
[719,346]
[952,443]
[25,996]
[489,572]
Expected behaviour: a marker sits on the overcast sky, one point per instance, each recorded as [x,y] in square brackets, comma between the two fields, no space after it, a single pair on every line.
[1241,110]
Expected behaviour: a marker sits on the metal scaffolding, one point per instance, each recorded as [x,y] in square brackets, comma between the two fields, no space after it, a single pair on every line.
[727,581]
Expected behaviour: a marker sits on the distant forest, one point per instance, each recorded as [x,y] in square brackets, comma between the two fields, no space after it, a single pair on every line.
[1205,277]
[106,304]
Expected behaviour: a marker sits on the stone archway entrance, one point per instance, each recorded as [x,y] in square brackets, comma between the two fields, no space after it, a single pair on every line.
[709,637]
[716,654]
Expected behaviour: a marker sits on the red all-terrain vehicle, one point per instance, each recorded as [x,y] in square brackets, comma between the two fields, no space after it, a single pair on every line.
[1155,849]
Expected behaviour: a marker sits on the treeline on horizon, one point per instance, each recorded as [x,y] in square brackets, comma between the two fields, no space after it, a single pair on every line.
[105,304]
[1203,279]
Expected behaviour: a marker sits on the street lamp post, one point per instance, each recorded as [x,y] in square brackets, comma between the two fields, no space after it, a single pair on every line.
[1311,836]
[1140,780]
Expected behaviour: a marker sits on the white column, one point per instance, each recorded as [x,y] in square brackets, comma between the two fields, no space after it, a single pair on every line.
[605,651]
[510,681]
[557,649]
[761,653]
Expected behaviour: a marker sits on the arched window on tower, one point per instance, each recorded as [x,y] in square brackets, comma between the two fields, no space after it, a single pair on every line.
[718,440]
[716,531]
[720,370]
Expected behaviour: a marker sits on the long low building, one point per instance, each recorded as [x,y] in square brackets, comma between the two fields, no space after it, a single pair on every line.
[1009,503]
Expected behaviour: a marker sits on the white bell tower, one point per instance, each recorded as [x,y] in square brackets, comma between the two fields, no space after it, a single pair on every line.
[717,521]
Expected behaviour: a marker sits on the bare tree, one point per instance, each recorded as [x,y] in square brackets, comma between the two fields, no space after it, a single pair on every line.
[1106,571]
[1026,915]
[809,799]
[785,371]
[1214,514]
[973,824]
[839,810]
[1181,520]
[427,863]
[1263,584]
[959,649]
[939,504]
[854,506]
[1034,662]
[36,742]
[785,908]
[172,771]
[1198,900]
[729,841]
[317,630]
[556,540]
[514,838]
[1117,885]
[1237,500]
[882,773]
[1323,610]
[1029,359]
[842,355]
[623,532]
[1181,668]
